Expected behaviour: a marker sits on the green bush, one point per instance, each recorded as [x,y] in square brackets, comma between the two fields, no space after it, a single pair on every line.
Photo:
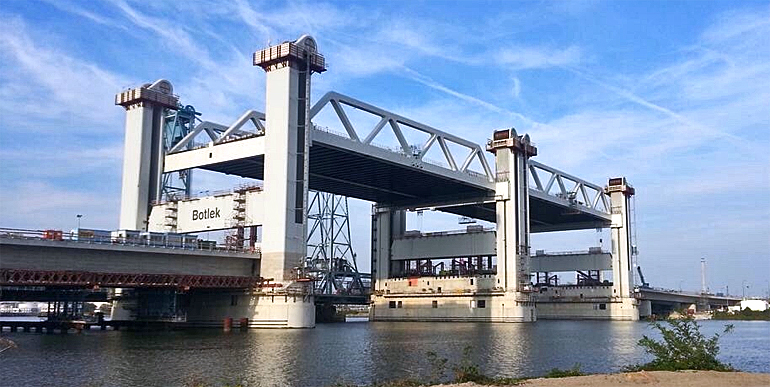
[437,368]
[683,347]
[467,371]
[558,373]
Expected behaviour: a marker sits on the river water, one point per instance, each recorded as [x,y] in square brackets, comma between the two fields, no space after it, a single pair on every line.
[352,352]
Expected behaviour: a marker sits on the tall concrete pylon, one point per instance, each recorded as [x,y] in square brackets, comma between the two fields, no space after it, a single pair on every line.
[512,153]
[289,66]
[624,305]
[143,150]
[387,224]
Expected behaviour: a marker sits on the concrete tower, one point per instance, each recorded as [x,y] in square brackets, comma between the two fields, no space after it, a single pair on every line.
[288,66]
[512,153]
[624,305]
[387,224]
[143,150]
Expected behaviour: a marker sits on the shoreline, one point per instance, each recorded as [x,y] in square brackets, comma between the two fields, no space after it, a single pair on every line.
[647,379]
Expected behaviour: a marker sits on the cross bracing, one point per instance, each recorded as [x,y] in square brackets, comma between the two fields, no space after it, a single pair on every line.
[218,134]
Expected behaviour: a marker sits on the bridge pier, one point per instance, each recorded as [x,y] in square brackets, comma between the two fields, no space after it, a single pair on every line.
[143,150]
[257,310]
[209,308]
[625,306]
[512,153]
[645,308]
[603,301]
[501,297]
[289,67]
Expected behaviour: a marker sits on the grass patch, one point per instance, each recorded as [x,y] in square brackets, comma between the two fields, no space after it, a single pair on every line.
[559,373]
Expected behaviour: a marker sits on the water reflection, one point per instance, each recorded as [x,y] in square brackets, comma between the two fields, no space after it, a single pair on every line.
[351,352]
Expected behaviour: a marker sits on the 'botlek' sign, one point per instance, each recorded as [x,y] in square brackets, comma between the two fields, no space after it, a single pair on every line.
[216,212]
[208,213]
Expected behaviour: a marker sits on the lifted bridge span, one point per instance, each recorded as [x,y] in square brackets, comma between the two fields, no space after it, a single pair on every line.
[286,149]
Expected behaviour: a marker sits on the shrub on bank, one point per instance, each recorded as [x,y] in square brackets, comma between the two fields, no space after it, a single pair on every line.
[683,347]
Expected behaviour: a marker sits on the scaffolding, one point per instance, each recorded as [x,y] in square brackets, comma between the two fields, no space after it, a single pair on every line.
[236,239]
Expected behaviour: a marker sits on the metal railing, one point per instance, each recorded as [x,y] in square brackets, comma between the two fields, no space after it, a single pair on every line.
[203,194]
[540,253]
[176,242]
[416,233]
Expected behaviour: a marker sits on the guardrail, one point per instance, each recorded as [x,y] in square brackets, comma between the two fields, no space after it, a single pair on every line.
[683,293]
[540,253]
[209,193]
[417,234]
[56,236]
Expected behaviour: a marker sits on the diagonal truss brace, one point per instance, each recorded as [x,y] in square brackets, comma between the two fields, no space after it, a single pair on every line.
[218,133]
[578,192]
[395,123]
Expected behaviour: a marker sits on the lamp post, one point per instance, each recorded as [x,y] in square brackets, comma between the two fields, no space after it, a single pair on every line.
[79,216]
[680,285]
[744,287]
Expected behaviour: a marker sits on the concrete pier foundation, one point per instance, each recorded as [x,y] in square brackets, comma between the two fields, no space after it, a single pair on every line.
[505,296]
[209,309]
[585,303]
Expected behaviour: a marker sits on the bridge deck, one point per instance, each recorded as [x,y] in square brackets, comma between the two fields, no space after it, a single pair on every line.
[55,256]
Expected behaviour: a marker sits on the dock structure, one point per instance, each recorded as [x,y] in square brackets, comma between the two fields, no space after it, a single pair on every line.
[473,275]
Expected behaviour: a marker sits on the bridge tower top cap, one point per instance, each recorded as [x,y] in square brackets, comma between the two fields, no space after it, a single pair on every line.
[619,184]
[508,138]
[160,92]
[303,51]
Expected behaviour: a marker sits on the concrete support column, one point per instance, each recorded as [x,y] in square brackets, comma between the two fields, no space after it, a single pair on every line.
[622,275]
[143,150]
[624,305]
[512,200]
[287,143]
[386,225]
[512,153]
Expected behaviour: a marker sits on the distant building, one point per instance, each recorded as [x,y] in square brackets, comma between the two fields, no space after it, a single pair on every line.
[15,308]
[755,305]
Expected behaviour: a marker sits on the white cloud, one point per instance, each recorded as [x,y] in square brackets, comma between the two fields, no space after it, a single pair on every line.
[516,87]
[49,85]
[523,57]
[172,35]
[34,204]
[63,160]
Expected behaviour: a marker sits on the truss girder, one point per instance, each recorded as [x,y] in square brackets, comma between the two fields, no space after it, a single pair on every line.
[13,277]
[570,190]
[395,122]
[218,133]
[547,184]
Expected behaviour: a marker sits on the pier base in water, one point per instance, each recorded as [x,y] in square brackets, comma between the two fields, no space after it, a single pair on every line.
[492,307]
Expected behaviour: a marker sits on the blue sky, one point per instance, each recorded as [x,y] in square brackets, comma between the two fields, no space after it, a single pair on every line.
[673,95]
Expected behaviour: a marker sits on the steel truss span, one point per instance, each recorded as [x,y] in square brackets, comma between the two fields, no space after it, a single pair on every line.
[9,277]
[350,164]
